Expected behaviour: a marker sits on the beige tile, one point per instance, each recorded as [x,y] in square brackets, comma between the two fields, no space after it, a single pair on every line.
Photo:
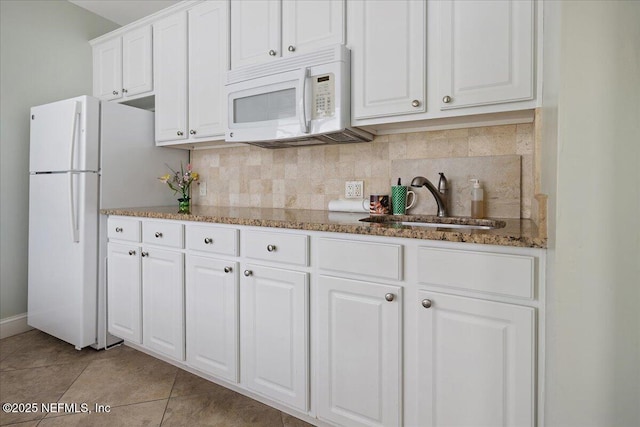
[493,130]
[188,384]
[223,408]
[134,377]
[291,421]
[141,414]
[38,385]
[40,349]
[492,145]
[14,343]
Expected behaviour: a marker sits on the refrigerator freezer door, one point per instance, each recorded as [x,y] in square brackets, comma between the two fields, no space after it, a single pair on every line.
[63,255]
[64,135]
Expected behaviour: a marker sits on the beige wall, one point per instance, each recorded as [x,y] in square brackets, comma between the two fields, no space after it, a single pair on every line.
[309,177]
[45,56]
[591,170]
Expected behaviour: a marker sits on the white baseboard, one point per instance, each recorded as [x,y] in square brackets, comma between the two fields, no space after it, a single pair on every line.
[14,325]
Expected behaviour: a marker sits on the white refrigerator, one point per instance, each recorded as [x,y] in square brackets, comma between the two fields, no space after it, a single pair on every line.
[85,155]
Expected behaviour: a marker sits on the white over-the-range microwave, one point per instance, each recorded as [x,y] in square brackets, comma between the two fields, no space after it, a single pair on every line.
[295,101]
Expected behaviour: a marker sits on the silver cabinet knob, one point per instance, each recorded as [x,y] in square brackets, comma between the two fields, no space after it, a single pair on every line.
[447,99]
[118,229]
[180,133]
[415,103]
[272,52]
[291,49]
[132,252]
[248,273]
[389,297]
[228,269]
[208,240]
[192,132]
[145,254]
[271,248]
[124,90]
[115,92]
[426,303]
[158,235]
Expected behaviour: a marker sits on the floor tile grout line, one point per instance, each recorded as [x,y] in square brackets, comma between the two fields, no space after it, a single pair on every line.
[175,378]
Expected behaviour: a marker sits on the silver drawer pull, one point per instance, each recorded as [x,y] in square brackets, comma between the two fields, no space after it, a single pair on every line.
[208,240]
[426,303]
[248,273]
[144,254]
[271,248]
[118,229]
[389,297]
[158,235]
[132,252]
[228,269]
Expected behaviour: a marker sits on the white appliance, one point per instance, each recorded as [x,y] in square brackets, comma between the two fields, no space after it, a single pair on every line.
[84,155]
[294,101]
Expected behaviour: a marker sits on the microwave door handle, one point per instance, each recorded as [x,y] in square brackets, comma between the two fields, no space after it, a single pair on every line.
[304,123]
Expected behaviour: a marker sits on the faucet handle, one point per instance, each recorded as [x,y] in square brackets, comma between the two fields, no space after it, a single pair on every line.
[443,185]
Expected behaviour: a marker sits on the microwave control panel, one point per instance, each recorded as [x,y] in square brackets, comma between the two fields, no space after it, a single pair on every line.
[324,96]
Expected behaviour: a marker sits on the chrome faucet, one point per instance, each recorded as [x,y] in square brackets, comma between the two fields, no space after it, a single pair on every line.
[439,194]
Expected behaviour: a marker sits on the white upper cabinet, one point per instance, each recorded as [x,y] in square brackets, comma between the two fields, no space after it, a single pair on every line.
[191,59]
[311,24]
[486,52]
[388,57]
[170,67]
[107,69]
[208,64]
[262,30]
[255,31]
[122,66]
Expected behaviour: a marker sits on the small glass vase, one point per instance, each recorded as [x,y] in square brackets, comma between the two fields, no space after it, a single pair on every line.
[184,205]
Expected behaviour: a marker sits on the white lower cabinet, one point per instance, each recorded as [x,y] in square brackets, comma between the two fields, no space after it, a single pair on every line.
[212,316]
[124,291]
[275,333]
[476,362]
[163,301]
[359,352]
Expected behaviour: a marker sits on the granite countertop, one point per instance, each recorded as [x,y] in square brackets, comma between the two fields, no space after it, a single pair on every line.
[517,232]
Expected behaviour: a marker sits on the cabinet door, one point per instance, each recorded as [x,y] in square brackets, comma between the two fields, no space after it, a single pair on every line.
[107,69]
[163,301]
[255,31]
[310,25]
[388,57]
[124,292]
[137,71]
[486,52]
[476,362]
[170,68]
[208,63]
[274,331]
[359,352]
[212,316]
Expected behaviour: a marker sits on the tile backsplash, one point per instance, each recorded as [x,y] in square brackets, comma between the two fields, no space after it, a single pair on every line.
[309,177]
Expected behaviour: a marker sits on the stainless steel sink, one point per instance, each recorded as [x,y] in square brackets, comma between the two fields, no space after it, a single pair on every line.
[457,222]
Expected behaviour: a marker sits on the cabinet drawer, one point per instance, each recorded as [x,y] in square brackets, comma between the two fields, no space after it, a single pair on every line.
[212,239]
[277,247]
[123,229]
[499,274]
[377,260]
[162,233]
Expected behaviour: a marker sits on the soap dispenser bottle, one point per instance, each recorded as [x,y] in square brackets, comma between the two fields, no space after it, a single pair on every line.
[477,200]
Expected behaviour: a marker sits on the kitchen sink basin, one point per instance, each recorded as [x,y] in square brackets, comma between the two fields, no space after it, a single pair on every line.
[454,222]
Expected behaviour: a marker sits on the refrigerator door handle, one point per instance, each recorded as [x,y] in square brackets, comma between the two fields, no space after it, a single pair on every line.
[75,232]
[74,123]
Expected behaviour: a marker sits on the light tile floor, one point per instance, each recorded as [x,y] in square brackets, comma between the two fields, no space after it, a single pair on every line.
[139,389]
